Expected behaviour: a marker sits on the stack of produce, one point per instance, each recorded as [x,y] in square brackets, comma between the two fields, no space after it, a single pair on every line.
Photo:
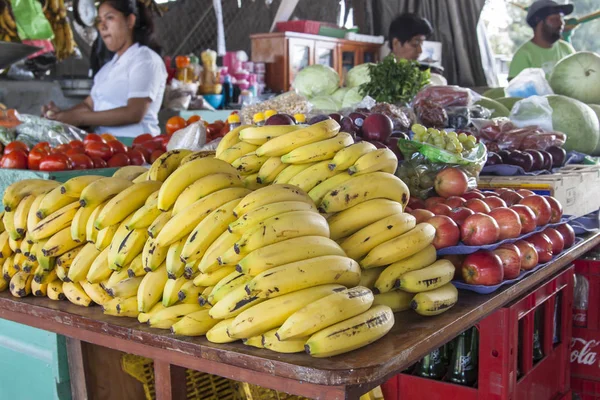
[187,246]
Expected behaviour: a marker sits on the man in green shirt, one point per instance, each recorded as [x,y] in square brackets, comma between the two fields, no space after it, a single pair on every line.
[546,48]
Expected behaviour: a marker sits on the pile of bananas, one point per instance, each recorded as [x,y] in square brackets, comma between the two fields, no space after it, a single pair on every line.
[315,262]
[8,26]
[64,43]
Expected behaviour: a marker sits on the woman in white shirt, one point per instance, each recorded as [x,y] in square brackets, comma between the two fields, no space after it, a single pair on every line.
[128,90]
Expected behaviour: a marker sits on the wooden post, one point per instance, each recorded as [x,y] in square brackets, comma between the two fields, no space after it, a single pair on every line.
[169,381]
[77,373]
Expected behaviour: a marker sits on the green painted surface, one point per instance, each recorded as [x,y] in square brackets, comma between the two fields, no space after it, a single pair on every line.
[33,364]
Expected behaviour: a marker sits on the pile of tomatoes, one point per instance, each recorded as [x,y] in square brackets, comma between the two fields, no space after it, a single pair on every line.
[214,130]
[95,151]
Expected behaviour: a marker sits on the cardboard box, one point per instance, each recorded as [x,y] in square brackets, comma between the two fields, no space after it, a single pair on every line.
[576,187]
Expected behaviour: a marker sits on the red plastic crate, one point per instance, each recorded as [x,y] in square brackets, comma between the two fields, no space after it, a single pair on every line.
[498,353]
[591,270]
[302,26]
[585,389]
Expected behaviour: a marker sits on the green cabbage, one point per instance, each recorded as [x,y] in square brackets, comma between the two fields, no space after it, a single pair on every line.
[316,80]
[352,98]
[325,103]
[358,75]
[339,95]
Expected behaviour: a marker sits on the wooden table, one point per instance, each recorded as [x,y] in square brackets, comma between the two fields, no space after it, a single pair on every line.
[343,377]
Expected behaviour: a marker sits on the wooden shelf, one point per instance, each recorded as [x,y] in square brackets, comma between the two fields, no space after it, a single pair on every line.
[342,377]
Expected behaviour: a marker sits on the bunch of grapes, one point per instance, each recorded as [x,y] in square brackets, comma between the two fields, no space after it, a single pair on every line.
[449,141]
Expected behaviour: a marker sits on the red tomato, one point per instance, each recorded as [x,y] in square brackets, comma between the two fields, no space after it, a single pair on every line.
[77,144]
[118,160]
[56,162]
[142,138]
[81,161]
[98,149]
[98,162]
[16,145]
[61,148]
[16,159]
[163,140]
[92,137]
[144,150]
[156,154]
[136,157]
[116,146]
[34,158]
[193,118]
[107,137]
[42,145]
[213,130]
[75,150]
[152,145]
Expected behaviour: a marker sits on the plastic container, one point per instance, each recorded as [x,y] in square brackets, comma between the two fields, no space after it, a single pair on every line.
[506,367]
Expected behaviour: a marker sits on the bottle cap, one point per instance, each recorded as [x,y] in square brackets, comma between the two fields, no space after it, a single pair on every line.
[258,117]
[233,119]
[300,118]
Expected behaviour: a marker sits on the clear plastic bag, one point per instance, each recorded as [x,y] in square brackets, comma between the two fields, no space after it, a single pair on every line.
[192,137]
[446,96]
[530,82]
[34,129]
[534,110]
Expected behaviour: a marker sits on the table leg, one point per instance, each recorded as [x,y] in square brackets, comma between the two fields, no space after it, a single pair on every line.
[169,381]
[77,373]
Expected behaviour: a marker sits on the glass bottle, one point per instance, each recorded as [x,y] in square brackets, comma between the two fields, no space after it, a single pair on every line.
[538,354]
[431,366]
[460,372]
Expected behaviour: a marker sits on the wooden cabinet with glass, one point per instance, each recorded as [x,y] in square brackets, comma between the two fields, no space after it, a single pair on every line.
[286,53]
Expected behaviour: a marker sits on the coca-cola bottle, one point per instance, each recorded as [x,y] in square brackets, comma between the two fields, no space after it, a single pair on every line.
[580,301]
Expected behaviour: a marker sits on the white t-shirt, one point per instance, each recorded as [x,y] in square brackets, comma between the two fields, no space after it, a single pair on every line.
[138,73]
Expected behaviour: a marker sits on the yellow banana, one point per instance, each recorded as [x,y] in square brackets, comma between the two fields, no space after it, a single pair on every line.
[99,270]
[140,178]
[269,170]
[209,262]
[205,186]
[151,288]
[102,190]
[383,160]
[20,284]
[182,224]
[355,218]
[371,236]
[234,303]
[400,247]
[196,155]
[59,243]
[166,164]
[21,214]
[32,218]
[171,291]
[130,172]
[346,157]
[368,277]
[144,317]
[146,214]
[207,231]
[325,311]
[375,185]
[270,194]
[15,245]
[231,138]
[267,211]
[303,274]
[131,246]
[62,273]
[66,259]
[187,174]
[136,268]
[226,285]
[388,279]
[8,268]
[175,266]
[203,298]
[75,294]
[288,251]
[42,276]
[251,182]
[218,333]
[259,135]
[79,224]
[236,151]
[125,307]
[351,334]
[74,186]
[54,201]
[82,263]
[291,171]
[194,324]
[212,278]
[318,151]
[125,203]
[18,190]
[159,223]
[95,292]
[308,179]
[189,293]
[432,277]
[255,341]
[164,319]
[5,250]
[435,302]
[54,222]
[249,163]
[153,256]
[55,290]
[39,289]
[274,312]
[290,141]
[397,300]
[318,192]
[271,342]
[105,236]
[8,219]
[125,288]
[91,233]
[121,241]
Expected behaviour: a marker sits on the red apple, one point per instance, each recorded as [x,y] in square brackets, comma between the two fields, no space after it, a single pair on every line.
[422,215]
[558,243]
[529,255]
[434,200]
[455,201]
[510,255]
[511,197]
[542,245]
[488,193]
[527,217]
[494,202]
[478,206]
[509,222]
[415,203]
[499,191]
[472,194]
[407,209]
[483,268]
[479,229]
[459,214]
[540,207]
[525,192]
[440,209]
[557,209]
[451,181]
[447,232]
[567,233]
[457,261]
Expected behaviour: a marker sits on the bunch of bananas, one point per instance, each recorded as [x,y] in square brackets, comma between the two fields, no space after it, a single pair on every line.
[8,26]
[64,43]
[194,245]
